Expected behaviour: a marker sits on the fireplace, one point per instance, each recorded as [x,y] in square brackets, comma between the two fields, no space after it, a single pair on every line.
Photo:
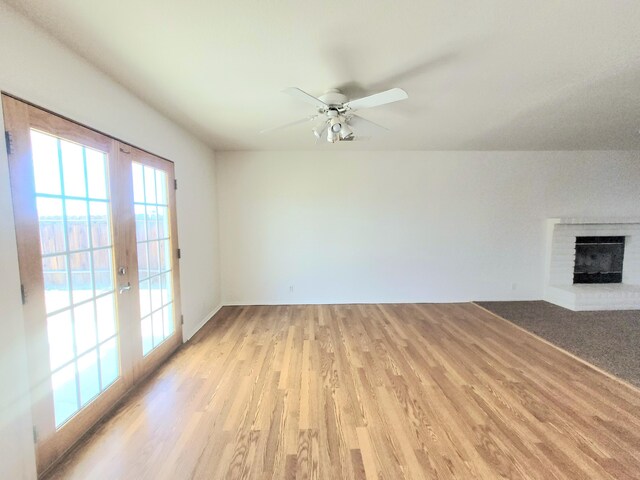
[577,252]
[598,260]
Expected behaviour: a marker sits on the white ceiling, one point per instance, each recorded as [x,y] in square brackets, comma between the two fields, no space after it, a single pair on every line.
[481,75]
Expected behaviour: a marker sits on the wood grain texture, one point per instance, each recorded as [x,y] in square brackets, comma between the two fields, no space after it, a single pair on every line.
[368,391]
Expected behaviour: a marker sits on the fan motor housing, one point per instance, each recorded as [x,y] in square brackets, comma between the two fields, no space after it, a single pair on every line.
[334,97]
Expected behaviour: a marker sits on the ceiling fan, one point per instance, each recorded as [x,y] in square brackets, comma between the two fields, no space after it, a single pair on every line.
[337,112]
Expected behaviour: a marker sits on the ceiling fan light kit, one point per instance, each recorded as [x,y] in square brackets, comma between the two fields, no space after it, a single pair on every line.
[339,112]
[345,132]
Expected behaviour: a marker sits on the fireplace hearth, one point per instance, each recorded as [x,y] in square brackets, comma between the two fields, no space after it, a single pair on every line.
[598,259]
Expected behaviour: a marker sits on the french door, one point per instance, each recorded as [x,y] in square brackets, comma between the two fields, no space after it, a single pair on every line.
[97,248]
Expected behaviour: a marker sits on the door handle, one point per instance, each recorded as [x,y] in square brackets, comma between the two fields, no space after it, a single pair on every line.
[124,288]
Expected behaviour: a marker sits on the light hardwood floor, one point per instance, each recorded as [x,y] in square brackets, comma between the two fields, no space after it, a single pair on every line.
[368,391]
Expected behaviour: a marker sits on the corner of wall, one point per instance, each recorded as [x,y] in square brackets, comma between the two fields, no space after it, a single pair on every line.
[188,335]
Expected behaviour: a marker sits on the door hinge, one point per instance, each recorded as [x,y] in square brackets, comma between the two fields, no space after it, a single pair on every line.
[23,294]
[175,184]
[181,319]
[8,138]
[35,435]
[179,254]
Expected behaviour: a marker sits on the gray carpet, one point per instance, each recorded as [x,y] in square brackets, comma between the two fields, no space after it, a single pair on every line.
[610,340]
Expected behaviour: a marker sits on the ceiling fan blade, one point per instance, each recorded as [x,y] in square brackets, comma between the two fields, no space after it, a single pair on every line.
[305,97]
[290,124]
[388,96]
[357,122]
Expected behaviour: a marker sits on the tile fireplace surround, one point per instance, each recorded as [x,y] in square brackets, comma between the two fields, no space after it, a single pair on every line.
[560,256]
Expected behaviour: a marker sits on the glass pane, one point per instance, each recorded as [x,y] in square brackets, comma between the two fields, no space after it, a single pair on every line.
[96,173]
[81,283]
[46,167]
[156,293]
[161,187]
[157,328]
[167,317]
[149,185]
[145,299]
[147,336]
[75,237]
[164,261]
[100,230]
[152,223]
[60,332]
[77,226]
[51,223]
[138,183]
[163,222]
[103,270]
[154,254]
[154,260]
[109,367]
[141,228]
[106,317]
[85,325]
[56,283]
[89,377]
[143,262]
[166,288]
[73,169]
[65,393]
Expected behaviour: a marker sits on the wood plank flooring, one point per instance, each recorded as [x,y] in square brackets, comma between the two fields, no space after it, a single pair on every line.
[368,391]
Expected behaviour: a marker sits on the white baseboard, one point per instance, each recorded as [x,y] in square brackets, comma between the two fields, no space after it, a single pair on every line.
[201,324]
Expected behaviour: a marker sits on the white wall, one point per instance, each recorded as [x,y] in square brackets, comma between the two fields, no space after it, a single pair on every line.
[404,226]
[37,68]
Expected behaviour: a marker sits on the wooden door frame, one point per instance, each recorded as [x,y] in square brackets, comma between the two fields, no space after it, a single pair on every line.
[156,356]
[19,118]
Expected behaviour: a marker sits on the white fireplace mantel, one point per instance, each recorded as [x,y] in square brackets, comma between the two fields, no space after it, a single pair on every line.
[595,220]
[560,258]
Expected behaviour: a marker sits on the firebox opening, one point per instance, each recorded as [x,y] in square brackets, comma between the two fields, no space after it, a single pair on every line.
[598,260]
